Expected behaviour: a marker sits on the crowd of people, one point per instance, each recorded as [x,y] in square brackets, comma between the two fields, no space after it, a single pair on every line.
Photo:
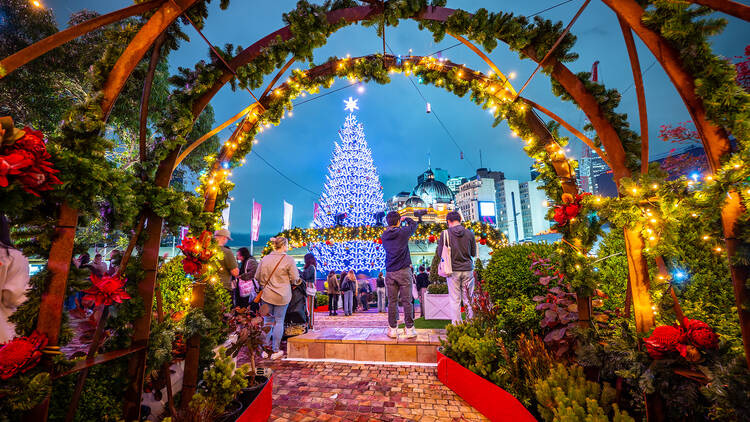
[266,286]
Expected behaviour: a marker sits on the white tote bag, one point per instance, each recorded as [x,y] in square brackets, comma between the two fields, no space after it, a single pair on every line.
[445,268]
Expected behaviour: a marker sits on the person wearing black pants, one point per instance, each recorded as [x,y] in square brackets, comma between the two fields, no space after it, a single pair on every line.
[333,293]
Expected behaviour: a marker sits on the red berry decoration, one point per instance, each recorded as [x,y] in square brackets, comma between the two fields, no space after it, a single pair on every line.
[431,238]
[482,241]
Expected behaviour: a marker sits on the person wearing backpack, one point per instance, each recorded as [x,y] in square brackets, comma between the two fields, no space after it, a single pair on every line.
[398,275]
[457,264]
[276,273]
[348,285]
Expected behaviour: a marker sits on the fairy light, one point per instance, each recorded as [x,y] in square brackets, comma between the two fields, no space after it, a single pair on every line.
[706,237]
[718,249]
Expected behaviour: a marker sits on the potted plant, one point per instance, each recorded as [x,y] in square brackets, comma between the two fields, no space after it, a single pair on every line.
[221,385]
[436,301]
[250,335]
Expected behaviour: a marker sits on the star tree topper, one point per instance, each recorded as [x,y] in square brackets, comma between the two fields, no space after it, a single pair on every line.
[351,105]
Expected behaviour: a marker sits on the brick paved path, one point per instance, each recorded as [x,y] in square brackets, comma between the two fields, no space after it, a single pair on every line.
[321,391]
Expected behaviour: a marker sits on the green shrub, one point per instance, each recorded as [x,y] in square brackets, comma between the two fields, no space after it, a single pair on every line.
[321,299]
[613,269]
[437,288]
[434,277]
[565,395]
[175,286]
[512,284]
[222,382]
[509,275]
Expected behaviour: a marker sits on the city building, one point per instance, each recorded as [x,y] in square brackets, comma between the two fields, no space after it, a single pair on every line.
[437,173]
[590,167]
[510,211]
[454,182]
[432,191]
[397,201]
[534,207]
[498,177]
[476,201]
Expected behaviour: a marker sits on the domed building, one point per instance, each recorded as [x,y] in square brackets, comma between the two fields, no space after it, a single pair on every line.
[433,191]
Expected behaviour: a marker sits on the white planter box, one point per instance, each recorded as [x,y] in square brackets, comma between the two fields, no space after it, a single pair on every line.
[437,306]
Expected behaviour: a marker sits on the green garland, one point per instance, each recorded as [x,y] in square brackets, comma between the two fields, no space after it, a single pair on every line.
[298,237]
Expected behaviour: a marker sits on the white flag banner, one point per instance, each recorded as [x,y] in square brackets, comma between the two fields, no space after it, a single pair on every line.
[225,217]
[287,216]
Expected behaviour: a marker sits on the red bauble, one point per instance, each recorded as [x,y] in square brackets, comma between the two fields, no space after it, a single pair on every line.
[21,354]
[380,241]
[483,241]
[106,290]
[431,238]
[700,334]
[328,242]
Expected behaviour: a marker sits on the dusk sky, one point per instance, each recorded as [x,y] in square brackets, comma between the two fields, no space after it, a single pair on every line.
[399,132]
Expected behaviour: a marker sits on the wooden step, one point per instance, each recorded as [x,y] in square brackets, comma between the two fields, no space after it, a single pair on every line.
[366,344]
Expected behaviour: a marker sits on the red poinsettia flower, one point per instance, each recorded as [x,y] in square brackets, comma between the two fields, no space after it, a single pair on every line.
[572,210]
[37,174]
[106,290]
[663,341]
[12,165]
[560,217]
[188,244]
[21,354]
[700,334]
[191,266]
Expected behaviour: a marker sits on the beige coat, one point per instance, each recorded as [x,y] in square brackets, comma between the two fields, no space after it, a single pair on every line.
[277,289]
[14,280]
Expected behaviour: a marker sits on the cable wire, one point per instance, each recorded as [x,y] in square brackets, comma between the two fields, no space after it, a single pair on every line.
[445,128]
[255,152]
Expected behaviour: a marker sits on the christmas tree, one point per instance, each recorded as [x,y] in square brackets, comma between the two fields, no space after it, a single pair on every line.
[352,196]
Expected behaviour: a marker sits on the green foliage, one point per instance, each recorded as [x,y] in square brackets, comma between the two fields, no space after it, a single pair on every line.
[160,340]
[566,395]
[613,269]
[103,392]
[221,383]
[437,288]
[509,272]
[481,350]
[321,299]
[22,393]
[174,286]
[434,277]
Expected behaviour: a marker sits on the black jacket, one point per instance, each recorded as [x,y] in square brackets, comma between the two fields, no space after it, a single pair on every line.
[423,280]
[396,245]
[463,248]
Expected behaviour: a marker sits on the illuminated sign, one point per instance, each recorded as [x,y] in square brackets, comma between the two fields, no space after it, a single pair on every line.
[487,212]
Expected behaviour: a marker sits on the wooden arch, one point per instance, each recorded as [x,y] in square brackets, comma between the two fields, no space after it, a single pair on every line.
[715,143]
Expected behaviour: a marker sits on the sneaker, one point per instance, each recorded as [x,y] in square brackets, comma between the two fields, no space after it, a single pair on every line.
[410,332]
[392,332]
[264,355]
[277,355]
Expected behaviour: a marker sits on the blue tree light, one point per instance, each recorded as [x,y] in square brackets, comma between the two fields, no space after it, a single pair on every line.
[679,275]
[353,188]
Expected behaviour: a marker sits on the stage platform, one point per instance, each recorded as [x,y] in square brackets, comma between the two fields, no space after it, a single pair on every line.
[365,344]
